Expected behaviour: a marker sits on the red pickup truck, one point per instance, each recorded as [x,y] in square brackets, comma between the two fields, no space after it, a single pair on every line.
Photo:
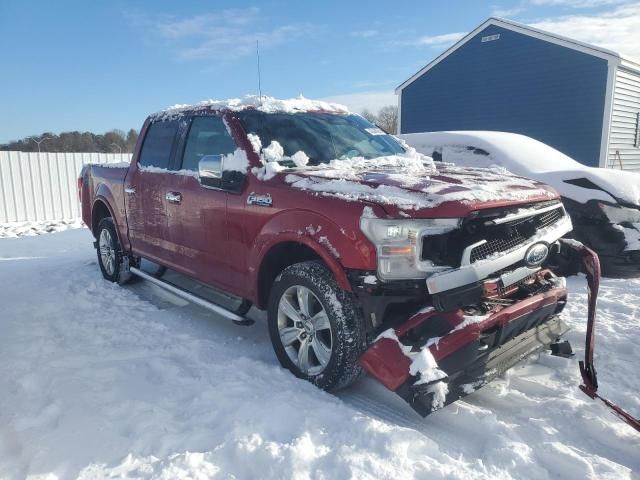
[364,254]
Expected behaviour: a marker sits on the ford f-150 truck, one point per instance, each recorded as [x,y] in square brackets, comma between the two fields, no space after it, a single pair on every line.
[364,254]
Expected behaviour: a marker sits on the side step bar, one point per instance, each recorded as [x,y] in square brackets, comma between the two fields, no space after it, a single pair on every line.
[190,297]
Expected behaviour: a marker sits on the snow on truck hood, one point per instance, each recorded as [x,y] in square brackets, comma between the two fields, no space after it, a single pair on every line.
[530,158]
[412,182]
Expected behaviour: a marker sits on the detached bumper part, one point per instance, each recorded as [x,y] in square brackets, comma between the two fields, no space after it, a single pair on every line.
[470,356]
[591,265]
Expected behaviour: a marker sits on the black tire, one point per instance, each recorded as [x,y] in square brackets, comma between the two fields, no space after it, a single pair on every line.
[114,272]
[347,331]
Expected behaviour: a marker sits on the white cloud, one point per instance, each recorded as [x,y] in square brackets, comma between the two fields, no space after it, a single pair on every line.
[577,3]
[225,34]
[372,100]
[365,33]
[199,24]
[439,40]
[497,11]
[617,30]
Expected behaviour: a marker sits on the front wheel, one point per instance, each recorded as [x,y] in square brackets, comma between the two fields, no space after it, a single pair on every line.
[315,328]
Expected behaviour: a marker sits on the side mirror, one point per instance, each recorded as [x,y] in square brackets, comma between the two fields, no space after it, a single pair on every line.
[210,170]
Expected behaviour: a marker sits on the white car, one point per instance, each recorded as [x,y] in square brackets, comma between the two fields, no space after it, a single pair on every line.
[604,204]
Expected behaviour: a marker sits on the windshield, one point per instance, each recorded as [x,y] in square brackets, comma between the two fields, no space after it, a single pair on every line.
[321,136]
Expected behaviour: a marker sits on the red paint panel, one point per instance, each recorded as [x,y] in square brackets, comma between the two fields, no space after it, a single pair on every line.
[386,363]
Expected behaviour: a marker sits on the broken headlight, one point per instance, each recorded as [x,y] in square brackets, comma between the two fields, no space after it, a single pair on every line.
[398,244]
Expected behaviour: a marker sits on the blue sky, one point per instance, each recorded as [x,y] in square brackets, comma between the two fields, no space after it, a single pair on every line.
[88,65]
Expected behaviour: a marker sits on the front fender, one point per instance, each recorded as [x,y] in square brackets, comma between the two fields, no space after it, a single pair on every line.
[339,247]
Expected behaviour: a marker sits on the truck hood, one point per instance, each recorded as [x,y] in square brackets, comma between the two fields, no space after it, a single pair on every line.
[413,187]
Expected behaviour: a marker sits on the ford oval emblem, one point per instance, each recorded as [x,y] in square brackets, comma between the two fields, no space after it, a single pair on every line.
[536,254]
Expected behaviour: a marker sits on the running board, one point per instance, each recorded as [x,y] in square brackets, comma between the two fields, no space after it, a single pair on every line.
[237,319]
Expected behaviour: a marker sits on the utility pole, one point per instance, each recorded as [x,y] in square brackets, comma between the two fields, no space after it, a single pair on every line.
[38,142]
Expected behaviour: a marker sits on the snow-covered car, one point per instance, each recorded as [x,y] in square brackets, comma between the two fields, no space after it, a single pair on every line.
[604,204]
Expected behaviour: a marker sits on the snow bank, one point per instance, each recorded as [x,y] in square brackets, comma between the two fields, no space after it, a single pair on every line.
[529,158]
[264,104]
[27,229]
[100,381]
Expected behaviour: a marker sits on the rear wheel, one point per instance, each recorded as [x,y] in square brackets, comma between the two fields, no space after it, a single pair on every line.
[113,264]
[315,329]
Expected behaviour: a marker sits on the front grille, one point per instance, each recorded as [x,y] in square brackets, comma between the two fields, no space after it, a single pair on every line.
[497,245]
[502,238]
[447,249]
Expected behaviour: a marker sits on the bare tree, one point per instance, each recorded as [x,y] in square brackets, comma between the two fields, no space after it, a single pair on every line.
[388,119]
[369,115]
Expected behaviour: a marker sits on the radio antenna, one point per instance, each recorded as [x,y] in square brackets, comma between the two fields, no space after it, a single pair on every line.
[259,82]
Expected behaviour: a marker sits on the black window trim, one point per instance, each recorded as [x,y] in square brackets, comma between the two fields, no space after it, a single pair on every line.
[171,163]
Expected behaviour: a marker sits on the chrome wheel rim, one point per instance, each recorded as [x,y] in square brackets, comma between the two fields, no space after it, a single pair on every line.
[305,330]
[107,252]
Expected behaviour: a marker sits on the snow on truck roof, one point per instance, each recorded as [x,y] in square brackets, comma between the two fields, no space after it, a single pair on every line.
[261,103]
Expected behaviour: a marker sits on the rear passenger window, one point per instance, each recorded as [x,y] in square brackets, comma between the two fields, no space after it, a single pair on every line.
[156,149]
[207,136]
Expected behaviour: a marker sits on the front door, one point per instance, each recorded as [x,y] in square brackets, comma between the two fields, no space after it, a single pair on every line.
[197,218]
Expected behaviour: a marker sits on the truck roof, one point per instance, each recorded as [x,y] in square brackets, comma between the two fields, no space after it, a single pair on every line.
[262,103]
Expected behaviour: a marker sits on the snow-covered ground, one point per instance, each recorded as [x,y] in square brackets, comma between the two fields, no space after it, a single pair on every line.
[101,381]
[29,229]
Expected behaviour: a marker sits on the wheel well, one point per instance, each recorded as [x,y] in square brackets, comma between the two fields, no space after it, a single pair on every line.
[99,212]
[275,261]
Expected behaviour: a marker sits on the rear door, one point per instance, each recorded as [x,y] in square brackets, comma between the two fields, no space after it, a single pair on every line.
[146,185]
[197,218]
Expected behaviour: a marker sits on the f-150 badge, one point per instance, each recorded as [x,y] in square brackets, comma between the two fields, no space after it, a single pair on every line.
[261,200]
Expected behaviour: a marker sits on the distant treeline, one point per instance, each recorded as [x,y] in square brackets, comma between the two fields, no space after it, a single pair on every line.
[114,141]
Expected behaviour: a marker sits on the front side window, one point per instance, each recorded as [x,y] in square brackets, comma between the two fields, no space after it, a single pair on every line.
[208,136]
[321,136]
[156,149]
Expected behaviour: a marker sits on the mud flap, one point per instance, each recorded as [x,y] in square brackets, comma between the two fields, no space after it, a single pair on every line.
[591,265]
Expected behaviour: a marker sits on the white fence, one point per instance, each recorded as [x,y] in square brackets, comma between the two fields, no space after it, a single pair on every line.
[44,186]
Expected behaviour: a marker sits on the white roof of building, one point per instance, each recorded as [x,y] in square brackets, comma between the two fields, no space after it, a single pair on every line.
[594,50]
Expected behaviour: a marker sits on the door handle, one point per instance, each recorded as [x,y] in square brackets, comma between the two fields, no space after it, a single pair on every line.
[173,197]
[129,189]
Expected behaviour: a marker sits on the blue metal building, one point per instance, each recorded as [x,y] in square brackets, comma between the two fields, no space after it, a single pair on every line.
[581,99]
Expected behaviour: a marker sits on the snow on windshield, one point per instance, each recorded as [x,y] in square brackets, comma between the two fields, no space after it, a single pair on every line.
[321,136]
[529,158]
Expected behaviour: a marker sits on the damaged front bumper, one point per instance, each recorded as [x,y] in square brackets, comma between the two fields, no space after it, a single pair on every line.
[472,350]
[475,350]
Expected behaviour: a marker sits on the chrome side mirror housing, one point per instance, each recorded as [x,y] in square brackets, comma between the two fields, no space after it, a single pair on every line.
[210,170]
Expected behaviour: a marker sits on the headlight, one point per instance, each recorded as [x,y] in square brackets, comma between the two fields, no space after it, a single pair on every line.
[617,214]
[397,244]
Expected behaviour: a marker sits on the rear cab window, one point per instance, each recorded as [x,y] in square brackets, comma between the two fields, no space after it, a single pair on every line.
[158,144]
